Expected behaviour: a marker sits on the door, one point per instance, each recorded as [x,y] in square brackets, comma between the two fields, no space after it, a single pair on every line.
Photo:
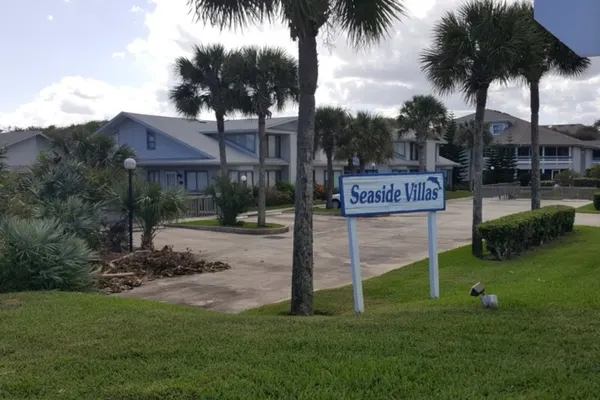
[171,179]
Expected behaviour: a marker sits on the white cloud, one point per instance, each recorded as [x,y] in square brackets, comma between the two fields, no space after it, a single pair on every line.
[380,78]
[50,18]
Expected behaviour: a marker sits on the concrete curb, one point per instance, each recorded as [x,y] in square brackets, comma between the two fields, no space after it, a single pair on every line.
[233,229]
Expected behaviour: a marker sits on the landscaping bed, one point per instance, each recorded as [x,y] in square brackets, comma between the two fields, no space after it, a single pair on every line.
[121,273]
[243,227]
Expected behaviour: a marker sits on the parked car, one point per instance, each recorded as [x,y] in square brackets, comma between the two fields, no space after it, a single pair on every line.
[336,201]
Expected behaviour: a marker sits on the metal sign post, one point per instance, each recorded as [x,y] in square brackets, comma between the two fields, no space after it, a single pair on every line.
[383,194]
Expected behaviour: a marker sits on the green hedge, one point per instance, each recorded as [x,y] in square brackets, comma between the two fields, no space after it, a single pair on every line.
[547,183]
[586,182]
[516,233]
[597,201]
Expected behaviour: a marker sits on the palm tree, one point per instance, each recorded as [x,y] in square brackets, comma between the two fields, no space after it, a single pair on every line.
[364,23]
[329,125]
[472,48]
[270,77]
[465,136]
[207,83]
[542,55]
[369,137]
[426,116]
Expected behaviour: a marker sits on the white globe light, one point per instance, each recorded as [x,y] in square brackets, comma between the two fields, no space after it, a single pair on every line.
[129,163]
[243,178]
[492,167]
[373,165]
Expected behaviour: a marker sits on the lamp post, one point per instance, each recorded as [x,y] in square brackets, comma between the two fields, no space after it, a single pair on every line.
[373,167]
[244,178]
[130,166]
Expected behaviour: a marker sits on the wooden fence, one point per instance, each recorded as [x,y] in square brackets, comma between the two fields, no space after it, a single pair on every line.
[201,206]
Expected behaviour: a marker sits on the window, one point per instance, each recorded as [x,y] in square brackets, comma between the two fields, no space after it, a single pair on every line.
[150,140]
[273,177]
[562,151]
[236,176]
[414,152]
[336,178]
[246,141]
[497,129]
[196,181]
[273,146]
[153,176]
[487,152]
[596,154]
[523,151]
[400,149]
[116,137]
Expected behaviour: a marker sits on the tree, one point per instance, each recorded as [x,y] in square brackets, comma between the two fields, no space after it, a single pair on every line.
[472,48]
[365,23]
[369,137]
[587,133]
[207,83]
[270,77]
[541,54]
[426,116]
[465,136]
[330,122]
[454,152]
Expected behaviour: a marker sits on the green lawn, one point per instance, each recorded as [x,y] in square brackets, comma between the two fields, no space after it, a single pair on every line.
[458,194]
[214,222]
[543,342]
[328,211]
[588,209]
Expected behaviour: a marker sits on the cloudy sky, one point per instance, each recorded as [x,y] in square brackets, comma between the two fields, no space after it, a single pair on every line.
[70,61]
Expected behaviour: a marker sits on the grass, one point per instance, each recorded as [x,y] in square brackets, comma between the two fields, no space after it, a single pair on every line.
[458,194]
[587,209]
[543,342]
[214,222]
[328,211]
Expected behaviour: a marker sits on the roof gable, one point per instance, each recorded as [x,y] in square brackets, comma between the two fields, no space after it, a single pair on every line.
[10,138]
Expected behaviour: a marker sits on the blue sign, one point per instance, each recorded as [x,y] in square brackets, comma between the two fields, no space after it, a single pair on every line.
[573,22]
[377,194]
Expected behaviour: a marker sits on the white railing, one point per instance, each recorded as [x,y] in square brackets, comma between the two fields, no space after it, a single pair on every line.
[200,206]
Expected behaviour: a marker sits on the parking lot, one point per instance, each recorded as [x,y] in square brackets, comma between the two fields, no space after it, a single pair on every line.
[261,265]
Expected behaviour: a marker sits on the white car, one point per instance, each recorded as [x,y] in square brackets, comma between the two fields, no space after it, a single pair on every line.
[336,201]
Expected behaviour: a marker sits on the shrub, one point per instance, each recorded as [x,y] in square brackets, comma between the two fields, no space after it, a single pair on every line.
[286,187]
[319,192]
[231,198]
[38,254]
[516,233]
[597,201]
[525,179]
[566,177]
[586,182]
[547,183]
[593,172]
[276,197]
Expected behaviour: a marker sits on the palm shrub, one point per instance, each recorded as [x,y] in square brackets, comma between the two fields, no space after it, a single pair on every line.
[38,254]
[232,199]
[152,207]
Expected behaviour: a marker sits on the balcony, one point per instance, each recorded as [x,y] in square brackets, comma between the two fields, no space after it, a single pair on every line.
[555,160]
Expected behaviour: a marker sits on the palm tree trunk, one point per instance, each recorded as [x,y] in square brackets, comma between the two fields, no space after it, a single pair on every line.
[330,182]
[302,259]
[477,241]
[262,154]
[534,97]
[222,147]
[422,155]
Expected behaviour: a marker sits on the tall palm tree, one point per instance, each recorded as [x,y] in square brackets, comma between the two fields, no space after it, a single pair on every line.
[270,77]
[207,83]
[330,122]
[427,117]
[365,23]
[472,48]
[368,136]
[542,55]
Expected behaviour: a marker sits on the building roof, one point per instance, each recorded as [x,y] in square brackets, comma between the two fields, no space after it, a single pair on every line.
[519,131]
[569,129]
[10,138]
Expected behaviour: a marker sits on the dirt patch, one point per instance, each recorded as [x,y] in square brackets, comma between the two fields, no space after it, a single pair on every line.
[124,273]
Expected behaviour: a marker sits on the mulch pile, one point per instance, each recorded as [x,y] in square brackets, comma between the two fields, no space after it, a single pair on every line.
[146,265]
